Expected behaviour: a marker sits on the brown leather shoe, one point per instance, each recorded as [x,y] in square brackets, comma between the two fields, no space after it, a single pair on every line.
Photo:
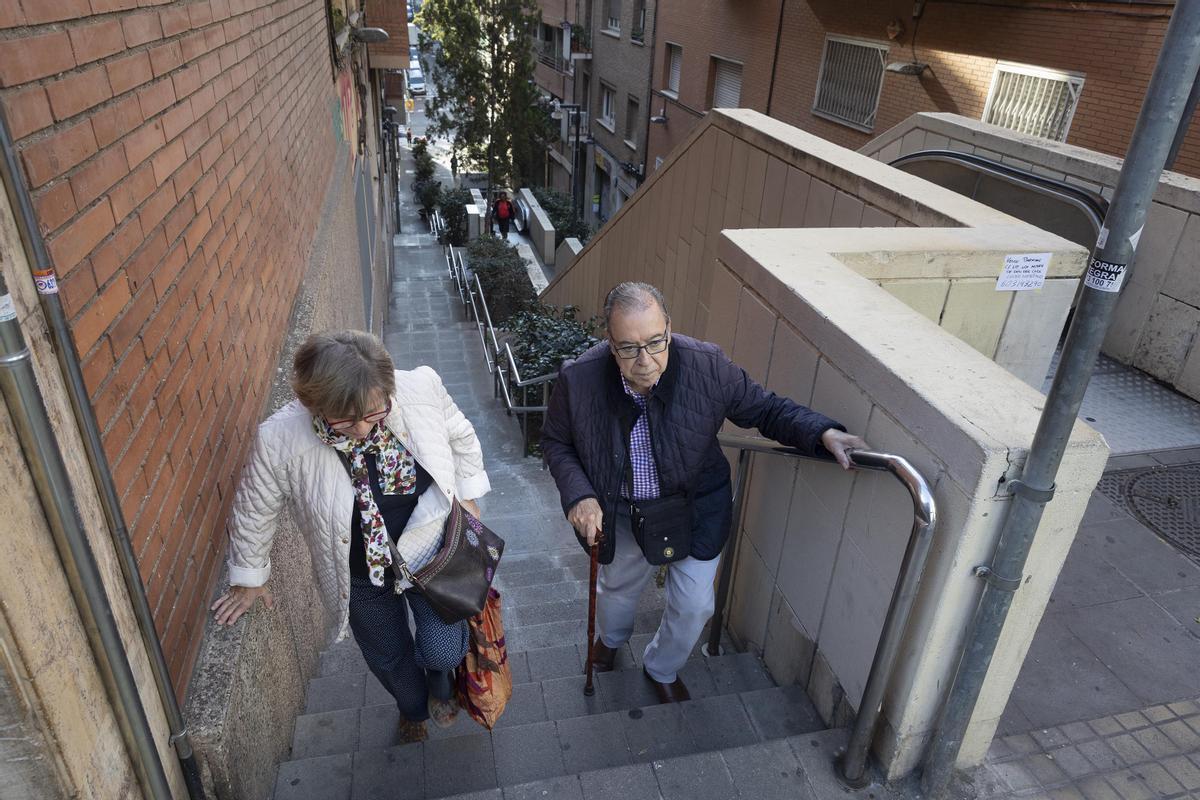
[603,656]
[669,692]
[409,732]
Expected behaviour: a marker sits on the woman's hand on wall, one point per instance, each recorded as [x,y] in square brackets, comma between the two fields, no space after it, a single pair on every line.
[237,601]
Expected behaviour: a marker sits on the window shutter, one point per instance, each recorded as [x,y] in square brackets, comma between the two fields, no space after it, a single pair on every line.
[850,83]
[727,85]
[676,68]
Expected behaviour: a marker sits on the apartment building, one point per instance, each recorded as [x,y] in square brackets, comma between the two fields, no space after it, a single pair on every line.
[594,63]
[1073,72]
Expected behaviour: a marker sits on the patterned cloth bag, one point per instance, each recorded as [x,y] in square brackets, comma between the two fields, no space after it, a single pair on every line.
[484,677]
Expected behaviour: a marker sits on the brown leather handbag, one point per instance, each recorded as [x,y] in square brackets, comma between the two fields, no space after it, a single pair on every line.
[457,580]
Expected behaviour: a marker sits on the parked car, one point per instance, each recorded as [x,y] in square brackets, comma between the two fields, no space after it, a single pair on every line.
[413,53]
[414,64]
[416,82]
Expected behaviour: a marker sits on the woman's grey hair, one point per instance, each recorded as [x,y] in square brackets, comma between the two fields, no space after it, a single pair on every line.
[633,296]
[336,373]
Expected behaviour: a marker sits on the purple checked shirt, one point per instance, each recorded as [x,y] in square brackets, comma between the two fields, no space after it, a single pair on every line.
[641,452]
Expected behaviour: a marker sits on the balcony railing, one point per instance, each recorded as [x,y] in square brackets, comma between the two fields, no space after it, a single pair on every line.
[552,56]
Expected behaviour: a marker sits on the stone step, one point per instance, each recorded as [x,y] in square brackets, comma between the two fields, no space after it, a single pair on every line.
[520,754]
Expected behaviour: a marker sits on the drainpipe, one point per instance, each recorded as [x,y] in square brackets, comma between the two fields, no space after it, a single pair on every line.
[1189,111]
[18,383]
[775,59]
[652,45]
[1160,117]
[85,417]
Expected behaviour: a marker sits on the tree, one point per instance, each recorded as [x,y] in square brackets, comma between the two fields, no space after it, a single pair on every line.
[486,100]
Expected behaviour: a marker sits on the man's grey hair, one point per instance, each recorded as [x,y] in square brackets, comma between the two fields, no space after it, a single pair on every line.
[337,372]
[633,296]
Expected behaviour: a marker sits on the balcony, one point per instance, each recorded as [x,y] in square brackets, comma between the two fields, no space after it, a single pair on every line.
[550,54]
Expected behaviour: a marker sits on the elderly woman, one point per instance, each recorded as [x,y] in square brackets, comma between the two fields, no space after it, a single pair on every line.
[364,453]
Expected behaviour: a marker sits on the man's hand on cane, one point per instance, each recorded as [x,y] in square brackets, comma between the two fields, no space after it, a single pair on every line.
[587,518]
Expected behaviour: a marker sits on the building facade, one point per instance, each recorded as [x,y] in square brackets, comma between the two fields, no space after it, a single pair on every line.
[846,72]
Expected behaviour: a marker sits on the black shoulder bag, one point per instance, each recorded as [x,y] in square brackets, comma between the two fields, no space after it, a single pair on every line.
[662,526]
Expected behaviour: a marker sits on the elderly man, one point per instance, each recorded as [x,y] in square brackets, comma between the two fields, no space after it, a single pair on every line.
[631,440]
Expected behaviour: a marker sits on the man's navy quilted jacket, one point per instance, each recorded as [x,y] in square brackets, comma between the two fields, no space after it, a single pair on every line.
[585,437]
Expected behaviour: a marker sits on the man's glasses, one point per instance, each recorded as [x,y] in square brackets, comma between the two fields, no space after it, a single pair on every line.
[373,417]
[652,347]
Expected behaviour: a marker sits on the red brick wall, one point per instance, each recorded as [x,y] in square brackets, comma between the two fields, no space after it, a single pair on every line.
[178,155]
[1115,47]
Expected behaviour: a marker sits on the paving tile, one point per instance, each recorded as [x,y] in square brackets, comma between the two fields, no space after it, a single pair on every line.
[1132,720]
[782,711]
[1184,771]
[1129,786]
[373,692]
[698,680]
[1159,780]
[527,753]
[702,776]
[1182,735]
[1096,788]
[1129,749]
[1043,768]
[378,727]
[1142,557]
[325,734]
[518,664]
[1015,775]
[593,743]
[555,662]
[459,765]
[740,672]
[525,706]
[625,689]
[717,723]
[656,732]
[1105,726]
[332,692]
[1078,731]
[396,773]
[564,698]
[1157,742]
[324,778]
[565,787]
[342,659]
[767,771]
[1100,754]
[1074,763]
[1049,737]
[634,782]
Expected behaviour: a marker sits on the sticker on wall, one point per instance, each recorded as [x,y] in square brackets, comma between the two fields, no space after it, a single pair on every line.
[1136,236]
[1102,237]
[1104,276]
[46,281]
[8,310]
[1023,271]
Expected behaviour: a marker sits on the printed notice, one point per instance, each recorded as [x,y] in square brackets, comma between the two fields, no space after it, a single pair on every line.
[8,311]
[1104,276]
[1023,271]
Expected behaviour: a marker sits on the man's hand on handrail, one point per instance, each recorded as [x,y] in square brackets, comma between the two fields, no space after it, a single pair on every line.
[840,444]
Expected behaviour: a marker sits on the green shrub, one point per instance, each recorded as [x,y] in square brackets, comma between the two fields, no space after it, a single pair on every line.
[425,166]
[420,147]
[543,337]
[560,208]
[453,205]
[428,192]
[502,276]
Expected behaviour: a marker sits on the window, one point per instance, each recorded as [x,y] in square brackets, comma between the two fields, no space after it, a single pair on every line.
[608,107]
[674,68]
[638,34]
[726,84]
[549,44]
[612,15]
[850,82]
[631,120]
[1032,100]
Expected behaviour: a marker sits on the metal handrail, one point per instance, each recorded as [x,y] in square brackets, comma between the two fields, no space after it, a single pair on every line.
[851,766]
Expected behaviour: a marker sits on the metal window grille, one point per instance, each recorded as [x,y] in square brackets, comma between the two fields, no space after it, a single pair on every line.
[850,82]
[1035,101]
[675,53]
[727,84]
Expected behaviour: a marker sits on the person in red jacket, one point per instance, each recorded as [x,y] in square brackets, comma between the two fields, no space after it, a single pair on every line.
[503,212]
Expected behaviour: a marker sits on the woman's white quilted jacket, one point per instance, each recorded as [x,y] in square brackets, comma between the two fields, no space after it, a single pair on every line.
[289,464]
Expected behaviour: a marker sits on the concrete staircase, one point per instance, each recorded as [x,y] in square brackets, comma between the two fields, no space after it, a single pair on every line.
[552,740]
[740,735]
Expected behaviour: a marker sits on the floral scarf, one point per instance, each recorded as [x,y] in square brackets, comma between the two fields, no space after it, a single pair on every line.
[397,475]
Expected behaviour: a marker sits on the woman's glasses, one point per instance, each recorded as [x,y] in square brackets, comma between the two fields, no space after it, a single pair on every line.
[347,424]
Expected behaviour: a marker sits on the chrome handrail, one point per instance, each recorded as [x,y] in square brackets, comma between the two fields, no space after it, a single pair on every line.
[851,766]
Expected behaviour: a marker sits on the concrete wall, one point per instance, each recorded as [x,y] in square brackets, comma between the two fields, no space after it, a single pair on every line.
[821,548]
[744,170]
[901,335]
[566,253]
[539,230]
[1156,327]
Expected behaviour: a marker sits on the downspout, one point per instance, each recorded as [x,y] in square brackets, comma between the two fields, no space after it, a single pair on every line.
[775,60]
[652,45]
[18,383]
[1189,110]
[1160,118]
[85,418]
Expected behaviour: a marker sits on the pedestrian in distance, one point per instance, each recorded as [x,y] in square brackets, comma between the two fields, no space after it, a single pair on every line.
[502,213]
[454,167]
[630,437]
[364,453]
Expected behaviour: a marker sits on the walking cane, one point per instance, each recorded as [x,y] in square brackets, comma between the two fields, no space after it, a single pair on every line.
[588,688]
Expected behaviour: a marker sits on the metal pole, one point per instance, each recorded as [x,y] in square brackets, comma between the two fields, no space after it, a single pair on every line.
[713,647]
[1189,110]
[85,417]
[18,383]
[1157,124]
